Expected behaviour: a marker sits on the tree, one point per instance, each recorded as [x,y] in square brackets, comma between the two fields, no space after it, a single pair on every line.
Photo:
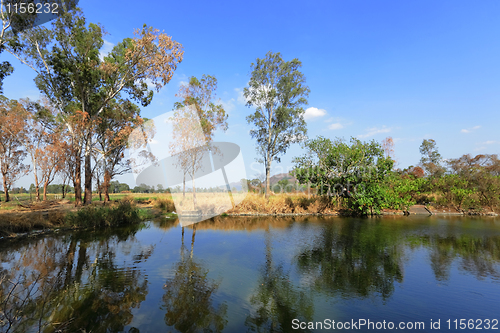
[431,159]
[352,171]
[38,118]
[277,90]
[12,152]
[51,161]
[388,146]
[113,131]
[201,95]
[189,145]
[198,115]
[72,75]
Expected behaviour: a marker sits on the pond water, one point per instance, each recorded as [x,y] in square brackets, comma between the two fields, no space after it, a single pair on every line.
[257,274]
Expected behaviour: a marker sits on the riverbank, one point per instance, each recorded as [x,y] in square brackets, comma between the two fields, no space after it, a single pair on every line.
[36,218]
[52,216]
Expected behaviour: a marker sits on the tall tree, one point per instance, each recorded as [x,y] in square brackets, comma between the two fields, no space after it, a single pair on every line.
[118,121]
[37,117]
[12,152]
[52,161]
[431,158]
[197,109]
[72,75]
[278,91]
[388,146]
[189,145]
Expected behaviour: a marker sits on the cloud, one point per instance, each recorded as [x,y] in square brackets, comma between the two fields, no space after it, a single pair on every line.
[106,48]
[228,105]
[314,113]
[335,126]
[375,130]
[468,130]
[241,98]
[491,142]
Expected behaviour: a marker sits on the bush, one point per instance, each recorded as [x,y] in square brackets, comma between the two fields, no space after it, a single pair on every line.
[97,217]
[164,204]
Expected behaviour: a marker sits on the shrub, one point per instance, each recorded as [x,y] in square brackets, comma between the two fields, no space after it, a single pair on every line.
[97,217]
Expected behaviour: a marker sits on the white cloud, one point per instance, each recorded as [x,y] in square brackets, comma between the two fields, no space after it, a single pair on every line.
[241,98]
[375,130]
[106,48]
[228,105]
[335,126]
[491,142]
[314,113]
[153,142]
[468,130]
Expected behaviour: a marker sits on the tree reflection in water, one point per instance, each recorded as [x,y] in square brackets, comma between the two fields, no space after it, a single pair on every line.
[276,300]
[478,254]
[188,297]
[354,258]
[61,288]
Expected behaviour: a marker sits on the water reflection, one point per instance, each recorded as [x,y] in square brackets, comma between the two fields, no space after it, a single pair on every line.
[276,300]
[246,274]
[477,254]
[72,282]
[188,298]
[355,258]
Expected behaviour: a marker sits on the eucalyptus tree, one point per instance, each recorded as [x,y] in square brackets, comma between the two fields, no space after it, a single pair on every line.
[73,75]
[197,116]
[278,92]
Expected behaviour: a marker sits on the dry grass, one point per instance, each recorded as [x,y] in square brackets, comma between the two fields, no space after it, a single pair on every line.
[284,204]
[26,221]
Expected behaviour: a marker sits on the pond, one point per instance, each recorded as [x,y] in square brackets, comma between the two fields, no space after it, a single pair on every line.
[257,274]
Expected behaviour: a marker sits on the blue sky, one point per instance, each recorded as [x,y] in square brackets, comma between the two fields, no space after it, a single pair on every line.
[411,70]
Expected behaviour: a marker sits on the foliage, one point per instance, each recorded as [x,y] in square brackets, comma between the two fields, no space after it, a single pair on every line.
[98,217]
[431,159]
[72,75]
[278,91]
[353,171]
[197,116]
[12,152]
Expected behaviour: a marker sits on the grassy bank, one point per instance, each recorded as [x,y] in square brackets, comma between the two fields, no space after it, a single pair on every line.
[116,214]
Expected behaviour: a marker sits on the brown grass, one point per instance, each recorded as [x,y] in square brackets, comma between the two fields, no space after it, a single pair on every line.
[26,221]
[284,204]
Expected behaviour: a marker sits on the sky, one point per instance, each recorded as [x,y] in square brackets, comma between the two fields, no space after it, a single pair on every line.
[411,70]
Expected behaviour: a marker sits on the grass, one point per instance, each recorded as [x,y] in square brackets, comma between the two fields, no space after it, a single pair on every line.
[121,214]
[296,203]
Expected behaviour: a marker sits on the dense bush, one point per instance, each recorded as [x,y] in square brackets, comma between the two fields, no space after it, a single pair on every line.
[97,217]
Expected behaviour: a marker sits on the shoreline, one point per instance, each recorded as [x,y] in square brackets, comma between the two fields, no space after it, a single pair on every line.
[36,230]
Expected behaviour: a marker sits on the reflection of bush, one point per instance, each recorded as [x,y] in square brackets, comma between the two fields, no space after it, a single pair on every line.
[354,258]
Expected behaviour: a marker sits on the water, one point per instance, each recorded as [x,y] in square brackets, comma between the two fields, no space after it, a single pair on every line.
[257,274]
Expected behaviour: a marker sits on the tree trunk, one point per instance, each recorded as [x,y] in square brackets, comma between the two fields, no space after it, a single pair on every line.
[77,182]
[37,191]
[106,184]
[194,194]
[45,190]
[268,178]
[62,190]
[5,189]
[184,187]
[99,188]
[87,197]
